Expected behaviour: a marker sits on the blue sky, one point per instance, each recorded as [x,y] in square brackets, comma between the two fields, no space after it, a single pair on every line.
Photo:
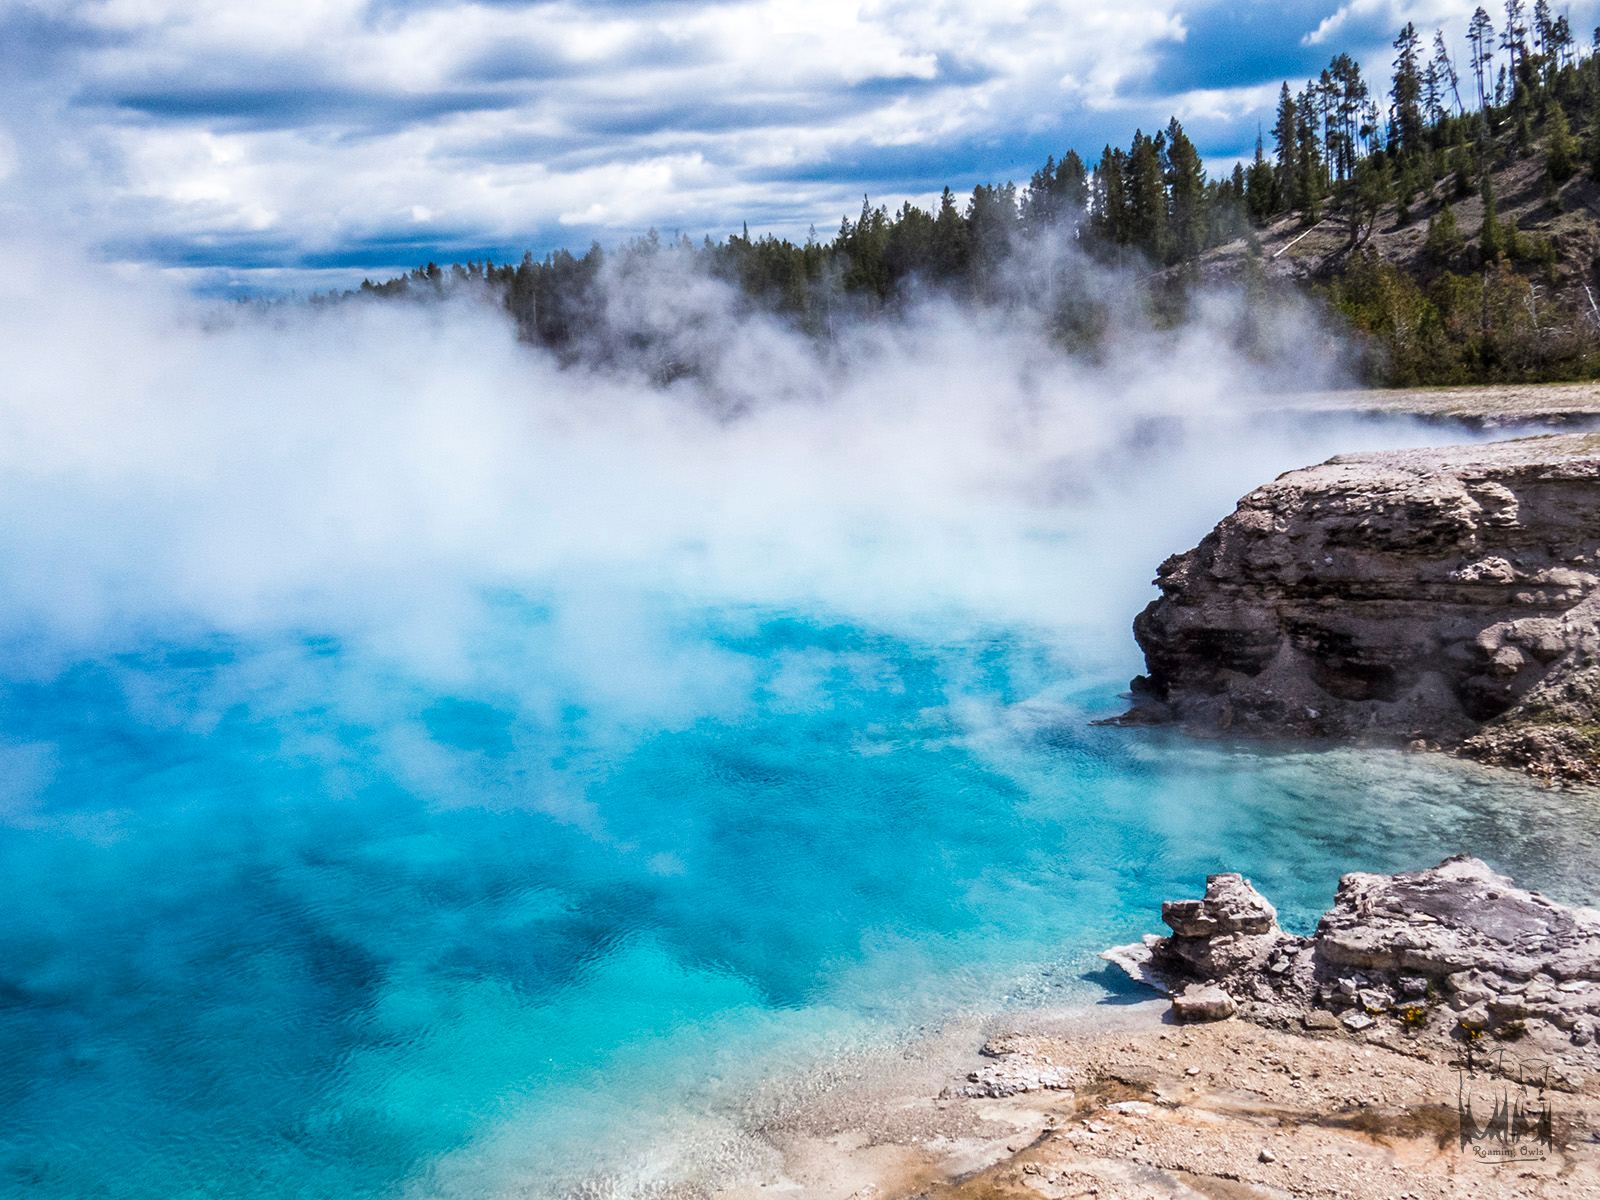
[273,143]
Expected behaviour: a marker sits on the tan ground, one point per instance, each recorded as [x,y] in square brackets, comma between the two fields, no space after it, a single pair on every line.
[1227,1111]
[1286,248]
[1480,404]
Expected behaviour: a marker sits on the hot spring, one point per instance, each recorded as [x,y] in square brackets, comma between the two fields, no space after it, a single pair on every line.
[426,771]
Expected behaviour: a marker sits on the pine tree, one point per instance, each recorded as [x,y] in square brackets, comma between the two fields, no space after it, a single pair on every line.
[1445,70]
[1560,52]
[1405,115]
[1371,192]
[991,229]
[1461,170]
[1040,208]
[1147,197]
[1489,237]
[1286,136]
[1513,40]
[1349,102]
[1560,149]
[1544,26]
[949,249]
[1443,243]
[1072,182]
[1110,198]
[1261,186]
[1432,111]
[1186,185]
[1480,37]
[1309,177]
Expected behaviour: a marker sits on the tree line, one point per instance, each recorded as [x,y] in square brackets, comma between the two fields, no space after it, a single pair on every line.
[1340,146]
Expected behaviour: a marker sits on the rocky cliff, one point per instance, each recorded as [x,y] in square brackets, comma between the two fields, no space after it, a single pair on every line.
[1443,597]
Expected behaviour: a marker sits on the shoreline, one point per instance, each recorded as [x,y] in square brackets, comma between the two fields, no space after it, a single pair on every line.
[1503,408]
[1435,1033]
[893,1122]
[1138,1106]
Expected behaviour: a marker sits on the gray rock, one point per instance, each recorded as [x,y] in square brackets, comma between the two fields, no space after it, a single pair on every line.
[1217,957]
[1475,1018]
[1231,905]
[1202,1002]
[1472,993]
[1483,923]
[1460,979]
[1188,918]
[1375,1000]
[999,1082]
[1505,1008]
[1513,963]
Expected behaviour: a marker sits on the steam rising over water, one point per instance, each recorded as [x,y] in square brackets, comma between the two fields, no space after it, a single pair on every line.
[425,770]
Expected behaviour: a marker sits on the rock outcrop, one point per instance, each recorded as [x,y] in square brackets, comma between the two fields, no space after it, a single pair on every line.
[1456,951]
[1437,597]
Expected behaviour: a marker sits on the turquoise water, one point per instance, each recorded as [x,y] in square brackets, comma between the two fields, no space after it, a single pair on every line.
[281,918]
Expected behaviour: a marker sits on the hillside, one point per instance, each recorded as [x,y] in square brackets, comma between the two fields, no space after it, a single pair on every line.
[1455,243]
[1567,217]
[1427,303]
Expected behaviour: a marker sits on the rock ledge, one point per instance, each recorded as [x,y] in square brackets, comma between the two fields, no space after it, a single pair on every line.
[1437,598]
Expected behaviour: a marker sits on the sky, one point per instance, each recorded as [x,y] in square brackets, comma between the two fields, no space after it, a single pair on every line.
[273,144]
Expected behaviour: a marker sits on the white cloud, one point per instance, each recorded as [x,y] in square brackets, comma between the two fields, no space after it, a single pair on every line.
[322,124]
[387,131]
[1391,15]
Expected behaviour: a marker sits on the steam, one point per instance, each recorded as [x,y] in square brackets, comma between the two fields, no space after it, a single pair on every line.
[393,474]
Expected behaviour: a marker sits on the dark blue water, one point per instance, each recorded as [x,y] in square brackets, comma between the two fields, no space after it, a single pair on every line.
[280,918]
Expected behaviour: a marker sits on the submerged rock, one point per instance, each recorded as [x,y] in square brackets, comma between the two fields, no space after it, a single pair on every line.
[1443,597]
[1137,961]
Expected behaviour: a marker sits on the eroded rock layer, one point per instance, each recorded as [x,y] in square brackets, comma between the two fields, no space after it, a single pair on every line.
[1447,597]
[1457,952]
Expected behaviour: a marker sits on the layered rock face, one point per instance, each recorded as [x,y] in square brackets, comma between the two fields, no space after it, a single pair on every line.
[1448,597]
[1457,951]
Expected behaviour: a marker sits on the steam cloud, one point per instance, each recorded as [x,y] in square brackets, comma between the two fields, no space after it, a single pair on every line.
[383,472]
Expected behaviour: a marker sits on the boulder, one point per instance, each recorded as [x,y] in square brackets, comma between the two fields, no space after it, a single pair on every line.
[1231,905]
[1232,931]
[1202,1002]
